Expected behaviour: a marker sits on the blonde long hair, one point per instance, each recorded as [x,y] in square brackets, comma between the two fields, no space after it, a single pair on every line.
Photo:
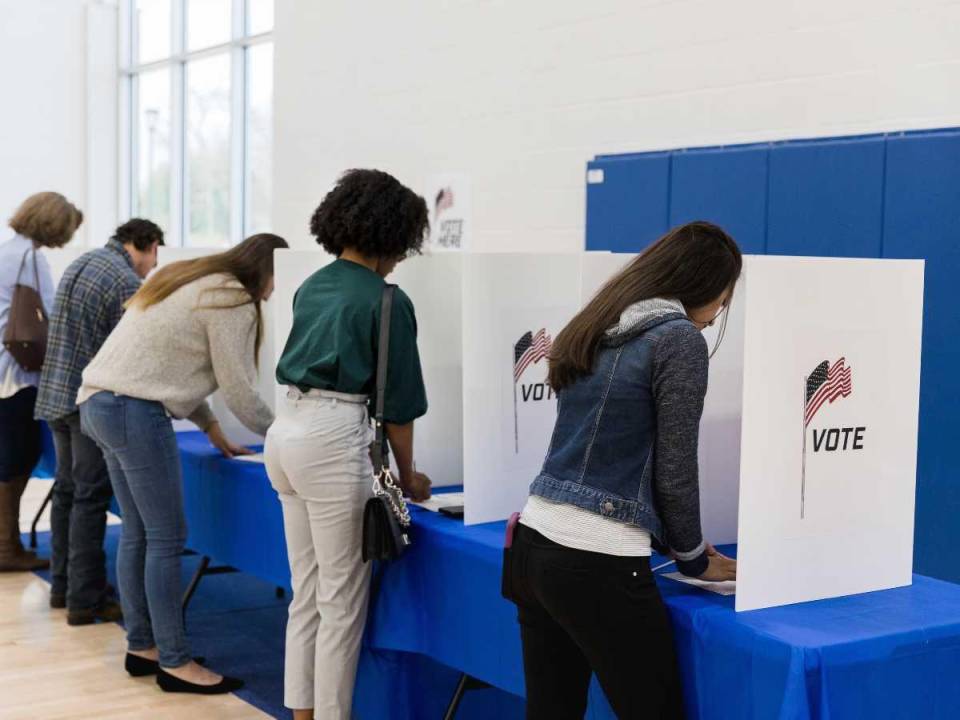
[250,262]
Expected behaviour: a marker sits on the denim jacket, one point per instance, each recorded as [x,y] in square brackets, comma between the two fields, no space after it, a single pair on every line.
[625,440]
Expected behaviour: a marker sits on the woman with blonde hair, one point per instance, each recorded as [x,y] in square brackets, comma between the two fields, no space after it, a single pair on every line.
[46,219]
[194,327]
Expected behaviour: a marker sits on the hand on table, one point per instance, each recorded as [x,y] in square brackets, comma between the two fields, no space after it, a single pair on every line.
[711,551]
[417,487]
[720,567]
[220,442]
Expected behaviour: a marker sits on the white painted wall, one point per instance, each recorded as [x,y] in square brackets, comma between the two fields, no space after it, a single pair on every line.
[520,95]
[58,80]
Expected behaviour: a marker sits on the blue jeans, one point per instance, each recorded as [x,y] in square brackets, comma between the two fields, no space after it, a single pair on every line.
[140,449]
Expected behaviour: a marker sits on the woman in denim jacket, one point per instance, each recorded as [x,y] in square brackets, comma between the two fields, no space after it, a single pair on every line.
[620,478]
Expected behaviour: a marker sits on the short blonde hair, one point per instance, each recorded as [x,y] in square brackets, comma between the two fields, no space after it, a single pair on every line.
[47,218]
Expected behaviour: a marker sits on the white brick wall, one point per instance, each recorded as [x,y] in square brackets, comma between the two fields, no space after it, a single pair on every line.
[521,94]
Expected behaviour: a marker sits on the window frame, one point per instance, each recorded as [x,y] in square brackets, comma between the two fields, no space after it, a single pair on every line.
[178,235]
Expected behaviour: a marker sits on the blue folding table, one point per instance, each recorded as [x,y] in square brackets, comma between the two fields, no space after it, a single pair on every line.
[888,654]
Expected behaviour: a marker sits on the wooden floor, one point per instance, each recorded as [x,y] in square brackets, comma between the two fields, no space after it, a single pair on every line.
[51,670]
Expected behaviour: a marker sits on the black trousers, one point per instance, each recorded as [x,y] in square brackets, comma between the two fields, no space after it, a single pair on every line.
[581,613]
[20,443]
[78,516]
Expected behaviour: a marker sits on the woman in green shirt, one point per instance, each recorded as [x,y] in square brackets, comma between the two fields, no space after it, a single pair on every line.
[317,451]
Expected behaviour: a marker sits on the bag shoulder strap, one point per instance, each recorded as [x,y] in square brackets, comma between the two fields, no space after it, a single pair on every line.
[36,272]
[381,451]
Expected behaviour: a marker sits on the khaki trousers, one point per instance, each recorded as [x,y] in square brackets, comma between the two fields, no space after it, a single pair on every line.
[318,461]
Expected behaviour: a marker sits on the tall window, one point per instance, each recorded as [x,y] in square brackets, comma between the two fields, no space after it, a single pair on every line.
[197,89]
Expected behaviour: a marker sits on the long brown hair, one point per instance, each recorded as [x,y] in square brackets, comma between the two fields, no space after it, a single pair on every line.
[693,263]
[250,262]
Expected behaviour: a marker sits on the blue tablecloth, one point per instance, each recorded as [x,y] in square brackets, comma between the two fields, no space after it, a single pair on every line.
[47,465]
[889,654]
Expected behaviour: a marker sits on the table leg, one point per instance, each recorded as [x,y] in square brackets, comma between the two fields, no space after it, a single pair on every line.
[465,683]
[194,582]
[36,518]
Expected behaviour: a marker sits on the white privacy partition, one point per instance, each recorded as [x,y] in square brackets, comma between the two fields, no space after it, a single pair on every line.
[831,380]
[719,449]
[596,269]
[266,386]
[434,283]
[513,306]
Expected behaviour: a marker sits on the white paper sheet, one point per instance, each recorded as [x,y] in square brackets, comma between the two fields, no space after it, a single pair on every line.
[728,587]
[255,458]
[441,501]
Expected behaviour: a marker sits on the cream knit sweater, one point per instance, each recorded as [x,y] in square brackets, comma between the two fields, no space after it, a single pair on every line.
[182,349]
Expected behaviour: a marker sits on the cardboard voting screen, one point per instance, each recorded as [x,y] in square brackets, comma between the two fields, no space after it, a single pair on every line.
[719,447]
[513,307]
[434,283]
[596,269]
[831,378]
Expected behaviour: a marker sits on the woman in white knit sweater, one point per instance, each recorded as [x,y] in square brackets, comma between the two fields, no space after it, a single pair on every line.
[194,327]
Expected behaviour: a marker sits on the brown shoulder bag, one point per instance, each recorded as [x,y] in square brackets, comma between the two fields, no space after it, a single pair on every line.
[25,337]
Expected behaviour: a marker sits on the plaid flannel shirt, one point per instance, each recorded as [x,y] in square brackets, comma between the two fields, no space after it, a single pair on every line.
[88,305]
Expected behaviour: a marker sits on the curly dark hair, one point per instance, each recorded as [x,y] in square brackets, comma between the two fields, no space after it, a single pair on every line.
[142,233]
[373,213]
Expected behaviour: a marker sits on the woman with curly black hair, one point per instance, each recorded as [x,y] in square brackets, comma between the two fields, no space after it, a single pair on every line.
[317,451]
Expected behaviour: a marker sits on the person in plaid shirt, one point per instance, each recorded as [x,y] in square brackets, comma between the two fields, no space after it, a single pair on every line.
[89,303]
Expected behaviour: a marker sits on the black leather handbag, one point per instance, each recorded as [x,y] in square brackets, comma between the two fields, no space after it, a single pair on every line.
[386,517]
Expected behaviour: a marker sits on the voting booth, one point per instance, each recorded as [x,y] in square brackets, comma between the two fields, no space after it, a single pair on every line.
[433,282]
[809,432]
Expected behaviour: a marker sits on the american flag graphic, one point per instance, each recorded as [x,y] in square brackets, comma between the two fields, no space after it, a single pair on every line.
[825,384]
[528,350]
[444,200]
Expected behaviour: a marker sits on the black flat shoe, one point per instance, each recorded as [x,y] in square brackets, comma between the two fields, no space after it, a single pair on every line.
[170,683]
[137,666]
[58,601]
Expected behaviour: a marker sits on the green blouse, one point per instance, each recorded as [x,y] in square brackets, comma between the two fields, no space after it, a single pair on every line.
[334,339]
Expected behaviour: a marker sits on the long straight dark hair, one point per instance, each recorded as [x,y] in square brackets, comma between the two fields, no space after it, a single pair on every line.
[250,262]
[693,263]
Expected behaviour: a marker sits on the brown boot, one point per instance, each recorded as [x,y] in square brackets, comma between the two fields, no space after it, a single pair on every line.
[13,556]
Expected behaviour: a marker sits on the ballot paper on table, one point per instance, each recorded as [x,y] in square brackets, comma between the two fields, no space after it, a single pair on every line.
[255,458]
[441,500]
[727,587]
